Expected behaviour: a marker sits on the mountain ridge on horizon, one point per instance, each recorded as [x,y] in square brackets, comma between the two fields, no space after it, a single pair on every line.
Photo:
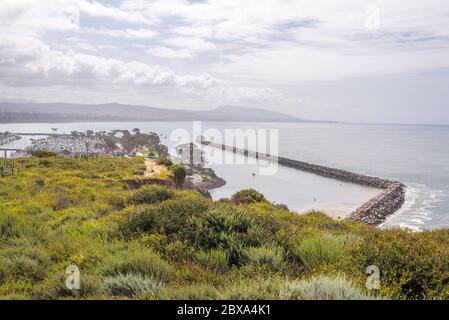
[27,112]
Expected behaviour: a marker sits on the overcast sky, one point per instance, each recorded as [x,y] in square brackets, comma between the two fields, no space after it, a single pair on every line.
[346,60]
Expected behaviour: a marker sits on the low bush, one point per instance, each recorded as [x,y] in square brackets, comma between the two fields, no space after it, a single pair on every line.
[318,249]
[247,196]
[224,227]
[215,259]
[164,161]
[140,261]
[270,256]
[193,292]
[221,221]
[254,289]
[178,250]
[412,265]
[43,153]
[56,288]
[151,195]
[323,288]
[26,267]
[131,285]
[13,226]
[174,218]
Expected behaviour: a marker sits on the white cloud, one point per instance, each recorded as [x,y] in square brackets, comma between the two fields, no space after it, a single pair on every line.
[182,48]
[97,9]
[28,16]
[26,61]
[218,50]
[124,34]
[165,52]
[194,44]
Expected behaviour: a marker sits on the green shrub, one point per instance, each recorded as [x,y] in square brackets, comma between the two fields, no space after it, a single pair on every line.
[4,270]
[164,161]
[116,202]
[11,226]
[270,256]
[173,218]
[45,163]
[224,227]
[323,288]
[43,153]
[154,241]
[412,265]
[252,289]
[17,226]
[178,250]
[140,261]
[56,288]
[26,267]
[247,196]
[317,250]
[193,292]
[131,285]
[178,174]
[76,212]
[216,259]
[151,195]
[220,222]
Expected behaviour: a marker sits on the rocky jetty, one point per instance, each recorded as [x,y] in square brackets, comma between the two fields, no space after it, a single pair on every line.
[373,212]
[376,210]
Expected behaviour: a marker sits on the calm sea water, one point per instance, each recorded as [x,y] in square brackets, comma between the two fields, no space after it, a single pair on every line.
[415,155]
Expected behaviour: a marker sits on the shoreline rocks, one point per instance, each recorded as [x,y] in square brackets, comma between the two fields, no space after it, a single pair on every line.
[376,210]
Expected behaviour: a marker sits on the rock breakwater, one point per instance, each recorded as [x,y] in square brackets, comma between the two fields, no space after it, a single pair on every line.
[373,212]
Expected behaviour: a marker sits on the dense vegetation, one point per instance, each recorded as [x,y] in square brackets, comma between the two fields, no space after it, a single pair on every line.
[134,141]
[160,243]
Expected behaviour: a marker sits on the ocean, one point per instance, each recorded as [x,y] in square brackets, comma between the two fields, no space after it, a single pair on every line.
[413,154]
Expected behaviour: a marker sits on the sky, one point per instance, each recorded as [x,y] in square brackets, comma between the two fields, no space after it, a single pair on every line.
[346,60]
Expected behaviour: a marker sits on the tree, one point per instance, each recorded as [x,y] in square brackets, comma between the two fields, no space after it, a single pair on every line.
[165,161]
[178,174]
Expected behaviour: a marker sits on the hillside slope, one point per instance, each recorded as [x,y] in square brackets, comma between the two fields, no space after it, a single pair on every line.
[161,243]
[66,112]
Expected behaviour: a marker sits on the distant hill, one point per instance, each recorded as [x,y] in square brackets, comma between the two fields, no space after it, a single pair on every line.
[26,112]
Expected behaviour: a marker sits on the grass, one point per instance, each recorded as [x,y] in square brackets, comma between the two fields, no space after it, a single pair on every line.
[216,259]
[192,292]
[150,195]
[161,243]
[323,288]
[270,256]
[318,249]
[131,285]
[137,260]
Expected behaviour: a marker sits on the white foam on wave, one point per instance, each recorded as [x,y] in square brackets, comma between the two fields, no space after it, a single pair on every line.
[417,208]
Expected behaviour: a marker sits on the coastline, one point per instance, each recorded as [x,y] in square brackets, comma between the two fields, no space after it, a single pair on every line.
[373,212]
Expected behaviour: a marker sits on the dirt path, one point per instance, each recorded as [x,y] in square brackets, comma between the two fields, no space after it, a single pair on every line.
[153,169]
